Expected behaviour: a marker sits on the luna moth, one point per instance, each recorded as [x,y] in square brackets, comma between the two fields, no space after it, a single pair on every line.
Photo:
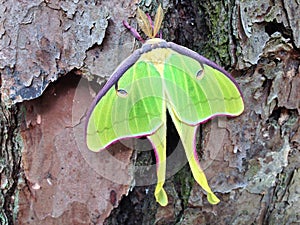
[162,76]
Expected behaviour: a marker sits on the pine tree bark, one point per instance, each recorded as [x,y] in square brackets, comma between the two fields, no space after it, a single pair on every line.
[51,49]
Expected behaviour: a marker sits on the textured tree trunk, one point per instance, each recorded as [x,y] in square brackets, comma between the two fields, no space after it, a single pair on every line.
[10,159]
[53,57]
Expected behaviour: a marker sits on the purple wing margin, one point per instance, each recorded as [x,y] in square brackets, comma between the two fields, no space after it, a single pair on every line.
[201,59]
[121,69]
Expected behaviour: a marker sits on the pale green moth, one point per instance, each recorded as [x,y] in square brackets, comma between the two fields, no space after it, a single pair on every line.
[158,77]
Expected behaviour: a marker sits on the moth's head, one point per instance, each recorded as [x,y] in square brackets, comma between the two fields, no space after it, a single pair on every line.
[154,41]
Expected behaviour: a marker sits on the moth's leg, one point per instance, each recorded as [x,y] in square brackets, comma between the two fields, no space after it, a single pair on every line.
[133,31]
[159,35]
[150,20]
